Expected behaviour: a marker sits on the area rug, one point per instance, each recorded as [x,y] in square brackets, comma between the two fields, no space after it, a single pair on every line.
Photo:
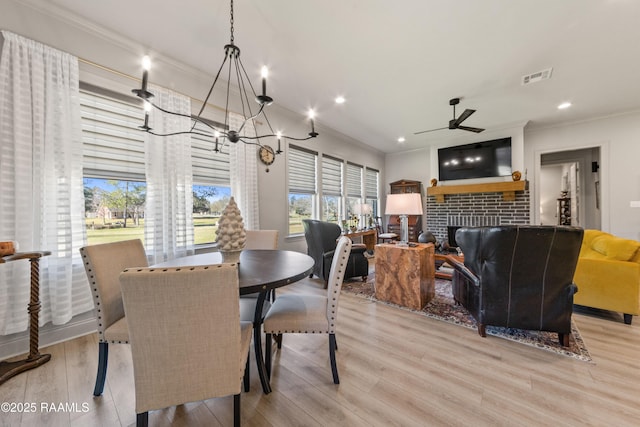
[442,307]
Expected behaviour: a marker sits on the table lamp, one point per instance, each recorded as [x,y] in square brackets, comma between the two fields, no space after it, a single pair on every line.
[362,210]
[404,204]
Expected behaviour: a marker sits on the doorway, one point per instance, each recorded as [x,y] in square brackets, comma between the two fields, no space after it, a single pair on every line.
[569,188]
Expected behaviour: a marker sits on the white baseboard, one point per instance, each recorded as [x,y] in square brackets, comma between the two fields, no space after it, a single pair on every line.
[18,344]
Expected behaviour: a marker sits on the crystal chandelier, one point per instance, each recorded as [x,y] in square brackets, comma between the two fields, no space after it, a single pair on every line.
[238,76]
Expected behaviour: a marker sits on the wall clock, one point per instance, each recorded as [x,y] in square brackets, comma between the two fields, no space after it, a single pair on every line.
[266,155]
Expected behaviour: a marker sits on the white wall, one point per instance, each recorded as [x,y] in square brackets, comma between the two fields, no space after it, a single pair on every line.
[619,140]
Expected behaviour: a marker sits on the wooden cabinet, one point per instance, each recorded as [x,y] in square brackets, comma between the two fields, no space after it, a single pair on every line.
[415,221]
[405,186]
[415,226]
[564,211]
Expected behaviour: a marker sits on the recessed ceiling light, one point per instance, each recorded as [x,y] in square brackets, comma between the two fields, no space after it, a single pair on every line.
[401,139]
[564,105]
[340,100]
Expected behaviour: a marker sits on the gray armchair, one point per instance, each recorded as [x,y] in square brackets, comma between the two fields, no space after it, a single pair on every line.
[322,239]
[518,276]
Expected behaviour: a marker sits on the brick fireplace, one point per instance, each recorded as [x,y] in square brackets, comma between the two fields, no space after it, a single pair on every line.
[452,207]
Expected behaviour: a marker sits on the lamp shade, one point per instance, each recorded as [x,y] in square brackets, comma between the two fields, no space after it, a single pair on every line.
[362,209]
[404,204]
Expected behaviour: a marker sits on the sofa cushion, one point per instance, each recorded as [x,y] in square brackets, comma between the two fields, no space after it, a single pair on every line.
[615,247]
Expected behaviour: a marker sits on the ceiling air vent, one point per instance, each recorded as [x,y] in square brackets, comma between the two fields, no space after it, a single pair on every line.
[537,77]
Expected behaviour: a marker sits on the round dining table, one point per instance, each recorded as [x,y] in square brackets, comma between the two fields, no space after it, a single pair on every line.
[259,271]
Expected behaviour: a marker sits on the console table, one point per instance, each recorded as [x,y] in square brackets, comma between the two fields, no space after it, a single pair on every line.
[405,275]
[369,237]
[34,359]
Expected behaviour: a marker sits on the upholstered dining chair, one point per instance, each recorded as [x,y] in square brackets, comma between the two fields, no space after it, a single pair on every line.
[257,239]
[187,341]
[103,264]
[310,314]
[261,239]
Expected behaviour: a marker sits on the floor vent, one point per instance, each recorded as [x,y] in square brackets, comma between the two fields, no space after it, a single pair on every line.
[537,77]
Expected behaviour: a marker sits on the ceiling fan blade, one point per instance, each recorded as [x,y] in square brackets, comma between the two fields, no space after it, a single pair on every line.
[430,130]
[470,129]
[465,114]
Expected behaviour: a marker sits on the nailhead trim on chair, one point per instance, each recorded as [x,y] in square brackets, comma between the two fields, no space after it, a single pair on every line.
[337,286]
[98,301]
[343,261]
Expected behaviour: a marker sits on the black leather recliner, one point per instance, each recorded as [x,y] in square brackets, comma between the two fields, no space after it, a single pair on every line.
[518,276]
[321,242]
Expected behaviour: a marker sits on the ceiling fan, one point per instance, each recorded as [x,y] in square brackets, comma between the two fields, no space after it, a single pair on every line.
[455,123]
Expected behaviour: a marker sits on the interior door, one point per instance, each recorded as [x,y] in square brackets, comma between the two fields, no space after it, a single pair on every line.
[574,187]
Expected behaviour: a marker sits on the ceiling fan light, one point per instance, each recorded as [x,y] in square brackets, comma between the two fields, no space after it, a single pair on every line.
[564,106]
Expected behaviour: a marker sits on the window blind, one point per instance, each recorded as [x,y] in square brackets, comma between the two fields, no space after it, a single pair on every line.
[371,183]
[209,167]
[113,145]
[331,176]
[354,180]
[302,171]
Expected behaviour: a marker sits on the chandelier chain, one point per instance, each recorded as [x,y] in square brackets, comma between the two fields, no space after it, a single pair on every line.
[231,21]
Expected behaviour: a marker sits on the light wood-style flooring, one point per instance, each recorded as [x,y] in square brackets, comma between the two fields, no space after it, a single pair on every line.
[396,369]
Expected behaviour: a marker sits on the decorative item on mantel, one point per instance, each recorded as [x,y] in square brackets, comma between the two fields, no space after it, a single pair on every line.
[516,175]
[231,235]
[434,182]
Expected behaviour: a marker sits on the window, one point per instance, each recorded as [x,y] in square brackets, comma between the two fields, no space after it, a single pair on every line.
[211,187]
[302,186]
[354,186]
[113,166]
[114,171]
[371,177]
[331,189]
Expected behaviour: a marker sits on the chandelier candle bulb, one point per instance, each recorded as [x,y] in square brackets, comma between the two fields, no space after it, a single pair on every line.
[265,74]
[312,114]
[216,135]
[146,121]
[279,136]
[146,65]
[147,109]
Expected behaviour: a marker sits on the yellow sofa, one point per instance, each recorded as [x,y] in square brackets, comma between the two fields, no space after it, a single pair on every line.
[608,274]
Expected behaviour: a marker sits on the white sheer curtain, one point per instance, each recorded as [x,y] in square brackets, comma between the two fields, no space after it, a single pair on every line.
[41,196]
[169,205]
[243,170]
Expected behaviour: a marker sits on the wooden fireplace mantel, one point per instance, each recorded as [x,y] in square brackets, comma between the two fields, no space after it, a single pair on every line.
[507,188]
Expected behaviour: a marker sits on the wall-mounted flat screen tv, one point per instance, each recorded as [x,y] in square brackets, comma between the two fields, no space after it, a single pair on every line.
[477,160]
